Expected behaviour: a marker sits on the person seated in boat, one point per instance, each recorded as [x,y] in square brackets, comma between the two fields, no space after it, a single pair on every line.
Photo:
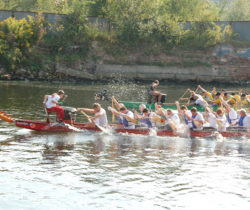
[182,112]
[99,118]
[237,98]
[232,116]
[244,100]
[206,94]
[126,118]
[196,119]
[210,119]
[51,103]
[217,100]
[229,99]
[199,100]
[117,106]
[147,119]
[155,96]
[221,120]
[244,120]
[172,120]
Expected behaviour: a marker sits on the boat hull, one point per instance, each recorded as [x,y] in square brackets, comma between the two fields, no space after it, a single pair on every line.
[55,127]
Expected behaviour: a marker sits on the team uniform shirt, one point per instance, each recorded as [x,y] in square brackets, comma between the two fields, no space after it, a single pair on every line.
[187,122]
[232,116]
[52,98]
[208,96]
[237,98]
[222,123]
[127,124]
[102,119]
[175,118]
[245,102]
[148,122]
[212,120]
[199,117]
[200,101]
[244,121]
[217,102]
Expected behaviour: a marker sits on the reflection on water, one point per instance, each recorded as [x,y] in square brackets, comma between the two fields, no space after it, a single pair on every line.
[97,171]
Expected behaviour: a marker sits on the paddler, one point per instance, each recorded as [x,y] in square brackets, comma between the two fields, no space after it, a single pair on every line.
[100,118]
[125,116]
[232,116]
[196,119]
[51,103]
[244,120]
[199,100]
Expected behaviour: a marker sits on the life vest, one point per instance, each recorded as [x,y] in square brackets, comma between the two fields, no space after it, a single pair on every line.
[241,120]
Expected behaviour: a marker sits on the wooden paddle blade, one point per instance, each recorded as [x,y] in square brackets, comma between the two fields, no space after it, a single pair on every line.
[6,118]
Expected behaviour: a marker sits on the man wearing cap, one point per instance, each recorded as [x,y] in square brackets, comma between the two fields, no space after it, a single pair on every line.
[51,103]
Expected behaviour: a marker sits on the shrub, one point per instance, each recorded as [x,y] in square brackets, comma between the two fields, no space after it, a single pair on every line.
[17,39]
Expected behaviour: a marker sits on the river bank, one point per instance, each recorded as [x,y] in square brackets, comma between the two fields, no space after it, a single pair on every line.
[223,63]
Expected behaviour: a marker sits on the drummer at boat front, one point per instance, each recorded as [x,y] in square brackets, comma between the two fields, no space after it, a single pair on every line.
[51,103]
[153,93]
[100,117]
[196,121]
[126,117]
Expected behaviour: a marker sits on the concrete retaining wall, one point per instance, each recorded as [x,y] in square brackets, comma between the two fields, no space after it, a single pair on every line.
[206,74]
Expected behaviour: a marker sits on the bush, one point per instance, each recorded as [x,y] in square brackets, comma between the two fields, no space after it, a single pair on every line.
[17,39]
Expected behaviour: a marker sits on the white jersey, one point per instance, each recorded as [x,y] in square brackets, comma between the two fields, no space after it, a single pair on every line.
[233,116]
[127,124]
[175,118]
[212,120]
[101,120]
[200,101]
[52,98]
[222,123]
[199,117]
[246,121]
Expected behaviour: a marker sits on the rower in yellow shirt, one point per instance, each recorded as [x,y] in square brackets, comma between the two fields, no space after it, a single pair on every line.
[244,100]
[206,95]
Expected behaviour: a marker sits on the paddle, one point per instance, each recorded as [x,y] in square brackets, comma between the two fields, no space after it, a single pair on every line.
[104,130]
[6,117]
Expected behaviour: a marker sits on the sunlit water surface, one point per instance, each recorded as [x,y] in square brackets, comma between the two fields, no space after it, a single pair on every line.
[99,171]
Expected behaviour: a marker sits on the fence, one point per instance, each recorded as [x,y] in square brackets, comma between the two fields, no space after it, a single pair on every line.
[241,28]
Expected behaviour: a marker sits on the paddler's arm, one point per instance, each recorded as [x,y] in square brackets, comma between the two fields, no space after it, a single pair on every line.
[116,103]
[45,99]
[86,110]
[225,103]
[129,118]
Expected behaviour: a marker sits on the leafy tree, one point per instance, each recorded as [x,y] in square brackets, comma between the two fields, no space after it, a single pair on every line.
[17,38]
[236,10]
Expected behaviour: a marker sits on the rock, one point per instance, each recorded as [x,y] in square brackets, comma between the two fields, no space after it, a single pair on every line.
[21,71]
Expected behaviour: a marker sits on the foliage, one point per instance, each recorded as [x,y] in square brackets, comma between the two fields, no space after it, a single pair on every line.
[72,36]
[234,10]
[17,39]
[163,21]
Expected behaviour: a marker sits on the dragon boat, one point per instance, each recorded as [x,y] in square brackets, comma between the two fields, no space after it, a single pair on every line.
[70,125]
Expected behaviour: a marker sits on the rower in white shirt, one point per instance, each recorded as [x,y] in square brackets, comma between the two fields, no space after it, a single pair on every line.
[196,119]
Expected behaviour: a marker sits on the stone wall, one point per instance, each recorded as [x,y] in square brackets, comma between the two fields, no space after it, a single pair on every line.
[205,74]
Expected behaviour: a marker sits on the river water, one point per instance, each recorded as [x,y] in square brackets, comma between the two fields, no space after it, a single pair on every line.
[99,171]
